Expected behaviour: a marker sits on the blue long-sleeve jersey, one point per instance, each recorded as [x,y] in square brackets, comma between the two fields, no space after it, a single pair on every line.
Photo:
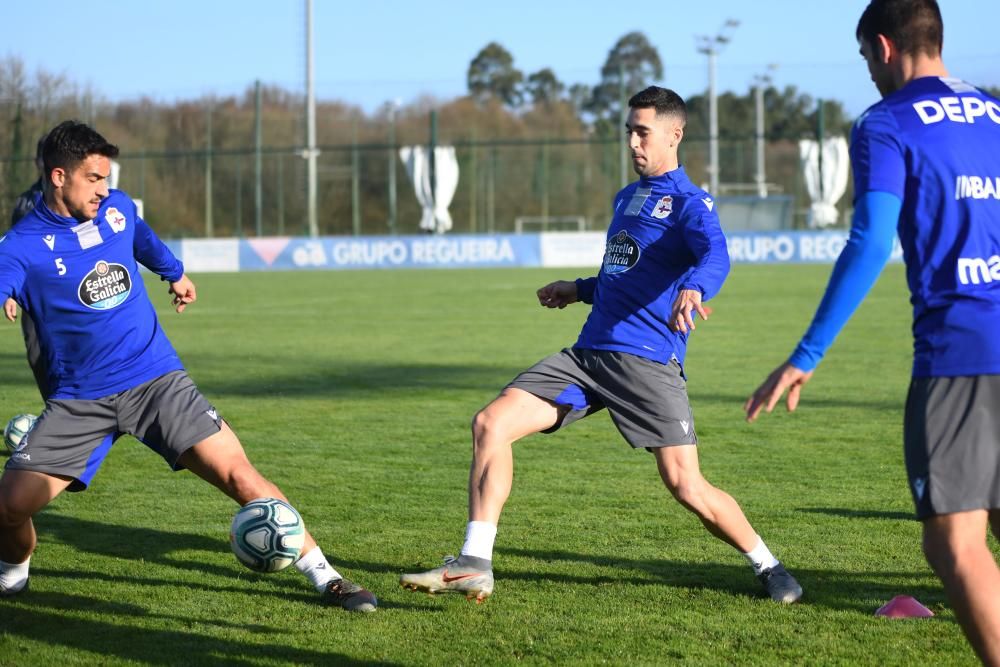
[927,160]
[665,236]
[80,282]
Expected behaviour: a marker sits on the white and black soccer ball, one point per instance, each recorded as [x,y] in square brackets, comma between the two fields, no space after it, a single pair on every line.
[267,535]
[16,429]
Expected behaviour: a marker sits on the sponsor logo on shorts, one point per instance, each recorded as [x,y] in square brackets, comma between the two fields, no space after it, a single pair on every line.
[684,425]
[107,286]
[213,414]
[919,487]
[621,253]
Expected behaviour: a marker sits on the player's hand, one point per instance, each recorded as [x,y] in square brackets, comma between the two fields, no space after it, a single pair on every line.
[184,293]
[681,319]
[769,393]
[10,310]
[559,294]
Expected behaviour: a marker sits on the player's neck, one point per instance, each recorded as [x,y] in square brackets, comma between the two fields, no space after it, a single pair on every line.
[56,205]
[918,67]
[665,168]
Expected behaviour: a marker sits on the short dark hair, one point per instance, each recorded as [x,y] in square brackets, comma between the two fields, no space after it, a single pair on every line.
[40,147]
[69,143]
[665,101]
[914,26]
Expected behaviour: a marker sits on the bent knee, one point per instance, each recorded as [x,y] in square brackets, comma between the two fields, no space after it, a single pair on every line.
[12,515]
[487,427]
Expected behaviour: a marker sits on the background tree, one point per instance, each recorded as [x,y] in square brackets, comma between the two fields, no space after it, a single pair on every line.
[632,57]
[544,87]
[492,74]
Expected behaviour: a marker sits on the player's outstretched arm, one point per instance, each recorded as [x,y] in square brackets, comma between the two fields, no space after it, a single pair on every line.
[10,309]
[183,291]
[559,294]
[681,317]
[769,393]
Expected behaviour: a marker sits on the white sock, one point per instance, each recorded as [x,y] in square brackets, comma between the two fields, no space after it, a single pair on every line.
[13,576]
[317,570]
[479,538]
[760,557]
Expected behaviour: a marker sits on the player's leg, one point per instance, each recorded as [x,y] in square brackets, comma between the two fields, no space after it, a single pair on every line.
[64,449]
[956,549]
[23,493]
[721,515]
[649,404]
[952,460]
[514,414]
[543,398]
[172,417]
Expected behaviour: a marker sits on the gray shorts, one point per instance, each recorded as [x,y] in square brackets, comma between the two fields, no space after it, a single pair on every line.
[73,436]
[647,400]
[951,440]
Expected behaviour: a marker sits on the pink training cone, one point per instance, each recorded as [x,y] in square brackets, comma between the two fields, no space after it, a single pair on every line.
[904,606]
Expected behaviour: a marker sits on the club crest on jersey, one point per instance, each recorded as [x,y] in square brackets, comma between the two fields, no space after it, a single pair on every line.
[663,207]
[116,219]
[621,253]
[105,287]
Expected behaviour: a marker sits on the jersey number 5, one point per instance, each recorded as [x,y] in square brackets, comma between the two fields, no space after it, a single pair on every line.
[60,266]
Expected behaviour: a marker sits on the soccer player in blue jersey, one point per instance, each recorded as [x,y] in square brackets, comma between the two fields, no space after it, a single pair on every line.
[926,163]
[25,202]
[72,264]
[665,255]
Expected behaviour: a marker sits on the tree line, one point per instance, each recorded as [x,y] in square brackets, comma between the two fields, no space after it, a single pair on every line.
[528,144]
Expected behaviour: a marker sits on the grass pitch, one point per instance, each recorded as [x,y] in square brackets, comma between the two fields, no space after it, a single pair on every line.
[353,391]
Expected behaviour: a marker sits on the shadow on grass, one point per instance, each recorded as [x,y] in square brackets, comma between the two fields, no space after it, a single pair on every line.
[859,514]
[136,543]
[42,618]
[147,545]
[348,378]
[861,592]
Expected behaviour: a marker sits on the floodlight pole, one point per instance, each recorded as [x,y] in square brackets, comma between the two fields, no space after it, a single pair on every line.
[760,81]
[310,152]
[711,46]
[392,166]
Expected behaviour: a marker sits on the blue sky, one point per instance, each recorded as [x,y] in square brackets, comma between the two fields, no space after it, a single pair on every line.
[371,52]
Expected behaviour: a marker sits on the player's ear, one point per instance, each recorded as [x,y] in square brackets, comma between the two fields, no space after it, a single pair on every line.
[58,177]
[884,48]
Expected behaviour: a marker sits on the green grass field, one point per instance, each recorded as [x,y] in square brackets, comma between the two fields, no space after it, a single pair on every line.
[353,391]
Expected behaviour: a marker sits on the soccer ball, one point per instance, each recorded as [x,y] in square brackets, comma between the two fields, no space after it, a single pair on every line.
[267,535]
[16,429]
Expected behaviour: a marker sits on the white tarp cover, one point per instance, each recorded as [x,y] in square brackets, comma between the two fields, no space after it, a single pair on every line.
[435,217]
[836,160]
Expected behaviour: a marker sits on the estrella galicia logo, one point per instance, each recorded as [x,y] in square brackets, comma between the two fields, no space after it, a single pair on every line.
[621,253]
[105,287]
